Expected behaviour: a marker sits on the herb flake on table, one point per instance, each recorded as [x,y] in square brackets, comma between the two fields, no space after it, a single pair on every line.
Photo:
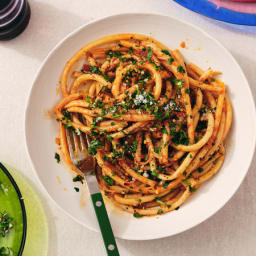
[137,215]
[78,178]
[57,157]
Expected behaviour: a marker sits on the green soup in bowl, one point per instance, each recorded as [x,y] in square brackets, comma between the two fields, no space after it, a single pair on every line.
[13,221]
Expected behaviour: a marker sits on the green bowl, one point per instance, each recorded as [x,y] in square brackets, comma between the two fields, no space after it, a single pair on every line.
[13,204]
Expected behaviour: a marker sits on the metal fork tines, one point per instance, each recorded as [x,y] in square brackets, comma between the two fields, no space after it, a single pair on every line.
[77,145]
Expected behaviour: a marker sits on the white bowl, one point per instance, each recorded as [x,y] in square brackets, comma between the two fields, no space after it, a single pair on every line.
[203,50]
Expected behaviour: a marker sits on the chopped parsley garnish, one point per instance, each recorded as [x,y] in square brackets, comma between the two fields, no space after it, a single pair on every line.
[158,67]
[68,126]
[107,78]
[106,158]
[94,145]
[170,60]
[123,59]
[214,162]
[57,157]
[99,104]
[166,184]
[149,54]
[179,137]
[77,131]
[160,211]
[67,118]
[201,125]
[161,169]
[88,99]
[144,77]
[158,150]
[166,52]
[202,110]
[116,115]
[187,91]
[132,149]
[158,113]
[66,115]
[97,119]
[192,189]
[137,215]
[76,189]
[180,69]
[133,61]
[159,201]
[200,169]
[177,82]
[155,126]
[187,182]
[78,178]
[112,53]
[6,224]
[109,138]
[129,148]
[95,69]
[108,180]
[154,173]
[130,50]
[115,154]
[163,130]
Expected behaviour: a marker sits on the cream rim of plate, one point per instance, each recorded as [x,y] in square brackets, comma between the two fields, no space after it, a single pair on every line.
[203,50]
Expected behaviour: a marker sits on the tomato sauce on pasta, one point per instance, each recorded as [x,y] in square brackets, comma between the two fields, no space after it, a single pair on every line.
[157,124]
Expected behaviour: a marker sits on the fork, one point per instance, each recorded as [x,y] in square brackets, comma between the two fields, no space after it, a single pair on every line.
[78,153]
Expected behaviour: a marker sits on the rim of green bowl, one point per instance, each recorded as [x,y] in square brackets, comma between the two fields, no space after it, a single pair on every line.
[22,205]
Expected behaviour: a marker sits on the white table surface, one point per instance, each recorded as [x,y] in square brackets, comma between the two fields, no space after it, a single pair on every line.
[232,231]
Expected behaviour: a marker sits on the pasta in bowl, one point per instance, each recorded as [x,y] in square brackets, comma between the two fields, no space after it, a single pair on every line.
[157,124]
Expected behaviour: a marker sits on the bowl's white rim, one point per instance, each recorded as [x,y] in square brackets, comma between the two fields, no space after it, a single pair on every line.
[252,150]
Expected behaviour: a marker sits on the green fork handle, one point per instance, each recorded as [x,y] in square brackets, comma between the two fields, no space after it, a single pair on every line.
[105,226]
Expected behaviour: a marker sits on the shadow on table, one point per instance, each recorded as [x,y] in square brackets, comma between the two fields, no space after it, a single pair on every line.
[47,27]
